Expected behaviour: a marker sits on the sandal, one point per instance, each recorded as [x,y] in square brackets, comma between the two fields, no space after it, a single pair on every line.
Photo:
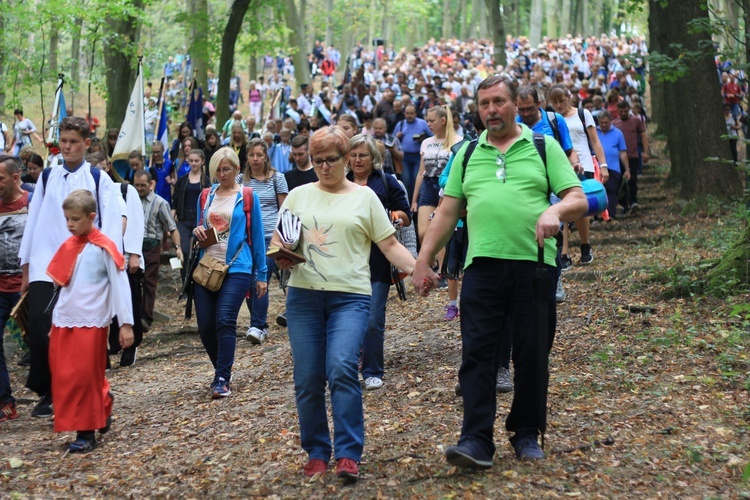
[82,445]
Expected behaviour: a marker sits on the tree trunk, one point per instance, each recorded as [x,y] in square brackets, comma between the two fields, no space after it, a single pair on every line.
[535,28]
[253,69]
[565,18]
[476,18]
[446,19]
[75,59]
[658,109]
[551,13]
[695,98]
[198,40]
[733,267]
[226,61]
[121,67]
[498,32]
[296,24]
[746,17]
[54,47]
[596,18]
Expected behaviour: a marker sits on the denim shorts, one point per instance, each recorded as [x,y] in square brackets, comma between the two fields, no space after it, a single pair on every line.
[429,192]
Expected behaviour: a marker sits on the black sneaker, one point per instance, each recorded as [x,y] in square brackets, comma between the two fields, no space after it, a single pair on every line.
[565,262]
[43,408]
[281,319]
[463,455]
[527,448]
[442,284]
[127,358]
[25,359]
[587,256]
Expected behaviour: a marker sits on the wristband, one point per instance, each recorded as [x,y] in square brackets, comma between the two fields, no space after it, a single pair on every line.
[604,165]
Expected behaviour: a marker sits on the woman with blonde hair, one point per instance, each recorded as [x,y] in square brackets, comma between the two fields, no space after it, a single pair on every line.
[435,153]
[223,209]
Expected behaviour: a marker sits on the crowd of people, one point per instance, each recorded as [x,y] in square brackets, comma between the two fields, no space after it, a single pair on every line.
[485,161]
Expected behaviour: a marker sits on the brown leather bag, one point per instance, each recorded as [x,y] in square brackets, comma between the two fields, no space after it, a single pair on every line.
[210,273]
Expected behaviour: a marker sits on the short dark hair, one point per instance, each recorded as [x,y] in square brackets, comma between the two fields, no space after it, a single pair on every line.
[299,141]
[18,111]
[36,160]
[11,164]
[75,124]
[526,91]
[491,81]
[623,105]
[142,173]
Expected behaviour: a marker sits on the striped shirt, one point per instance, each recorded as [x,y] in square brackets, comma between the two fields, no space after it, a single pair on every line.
[267,194]
[158,217]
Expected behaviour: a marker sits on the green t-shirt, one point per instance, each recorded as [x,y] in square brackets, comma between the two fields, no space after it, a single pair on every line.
[337,230]
[502,215]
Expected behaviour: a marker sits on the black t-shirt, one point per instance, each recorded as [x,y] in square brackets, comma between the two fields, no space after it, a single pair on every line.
[192,193]
[296,177]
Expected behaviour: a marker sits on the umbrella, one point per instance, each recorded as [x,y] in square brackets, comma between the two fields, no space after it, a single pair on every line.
[541,278]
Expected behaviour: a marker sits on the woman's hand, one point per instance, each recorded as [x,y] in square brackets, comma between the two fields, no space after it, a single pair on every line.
[126,336]
[199,233]
[261,287]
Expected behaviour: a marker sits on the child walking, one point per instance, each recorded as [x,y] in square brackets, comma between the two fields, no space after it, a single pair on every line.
[90,271]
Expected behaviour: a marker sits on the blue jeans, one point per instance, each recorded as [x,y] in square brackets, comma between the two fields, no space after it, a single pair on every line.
[326,331]
[7,302]
[216,313]
[258,307]
[372,355]
[409,172]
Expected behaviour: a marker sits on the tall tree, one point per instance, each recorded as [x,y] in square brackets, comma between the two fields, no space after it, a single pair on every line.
[226,61]
[296,24]
[551,14]
[535,28]
[75,58]
[498,31]
[565,18]
[198,41]
[693,98]
[120,50]
[447,19]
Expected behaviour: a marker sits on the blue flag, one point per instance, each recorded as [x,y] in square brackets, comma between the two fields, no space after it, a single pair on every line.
[195,112]
[162,135]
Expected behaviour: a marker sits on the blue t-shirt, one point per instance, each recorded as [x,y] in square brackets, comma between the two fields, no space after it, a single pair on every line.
[543,127]
[417,127]
[163,188]
[612,143]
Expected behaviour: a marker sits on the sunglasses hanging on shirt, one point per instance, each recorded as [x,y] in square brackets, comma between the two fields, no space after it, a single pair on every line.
[500,173]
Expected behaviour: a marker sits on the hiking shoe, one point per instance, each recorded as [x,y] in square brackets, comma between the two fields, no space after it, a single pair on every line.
[281,319]
[463,456]
[442,284]
[25,359]
[633,209]
[43,408]
[315,466]
[347,470]
[84,443]
[451,313]
[8,411]
[565,262]
[587,256]
[220,389]
[527,448]
[504,383]
[127,358]
[256,335]
[459,391]
[559,292]
[372,383]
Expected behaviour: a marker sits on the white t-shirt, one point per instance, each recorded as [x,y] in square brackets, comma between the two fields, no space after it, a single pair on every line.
[23,125]
[580,138]
[435,156]
[3,130]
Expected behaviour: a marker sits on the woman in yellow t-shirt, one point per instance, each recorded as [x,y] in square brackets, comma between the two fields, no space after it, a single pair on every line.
[328,301]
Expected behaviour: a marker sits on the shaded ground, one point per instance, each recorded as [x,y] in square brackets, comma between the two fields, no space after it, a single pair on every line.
[669,387]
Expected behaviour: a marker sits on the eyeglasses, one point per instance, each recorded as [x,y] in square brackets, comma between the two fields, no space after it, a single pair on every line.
[225,170]
[525,111]
[356,157]
[330,161]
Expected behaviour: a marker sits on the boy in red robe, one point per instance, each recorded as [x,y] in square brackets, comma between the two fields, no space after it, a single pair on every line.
[90,271]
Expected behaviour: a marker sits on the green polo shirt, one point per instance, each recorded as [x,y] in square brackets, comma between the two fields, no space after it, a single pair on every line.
[502,215]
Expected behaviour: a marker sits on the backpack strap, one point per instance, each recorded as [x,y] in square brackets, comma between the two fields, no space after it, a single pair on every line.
[552,119]
[95,173]
[467,156]
[247,206]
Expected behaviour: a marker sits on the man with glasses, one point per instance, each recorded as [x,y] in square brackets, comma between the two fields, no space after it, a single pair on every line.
[164,171]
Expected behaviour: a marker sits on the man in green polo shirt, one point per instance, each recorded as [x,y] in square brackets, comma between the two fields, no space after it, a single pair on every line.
[505,190]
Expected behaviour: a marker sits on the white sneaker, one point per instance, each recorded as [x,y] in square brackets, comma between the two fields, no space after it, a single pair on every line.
[372,383]
[256,335]
[560,292]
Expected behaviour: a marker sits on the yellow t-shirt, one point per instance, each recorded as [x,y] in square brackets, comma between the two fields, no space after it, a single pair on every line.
[337,230]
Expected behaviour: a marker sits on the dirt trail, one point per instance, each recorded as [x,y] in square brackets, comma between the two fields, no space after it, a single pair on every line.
[649,381]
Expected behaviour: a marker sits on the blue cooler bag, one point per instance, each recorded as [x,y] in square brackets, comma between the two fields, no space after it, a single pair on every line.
[596,196]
